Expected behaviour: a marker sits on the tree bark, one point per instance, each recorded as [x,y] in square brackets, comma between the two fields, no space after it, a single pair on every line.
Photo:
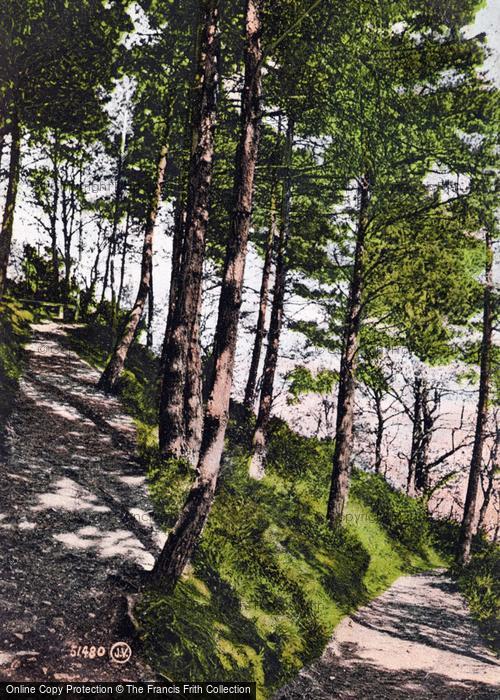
[10,202]
[116,363]
[491,476]
[259,443]
[109,272]
[260,331]
[422,476]
[193,399]
[53,220]
[184,536]
[151,308]
[380,432]
[416,435]
[180,334]
[124,260]
[469,521]
[347,379]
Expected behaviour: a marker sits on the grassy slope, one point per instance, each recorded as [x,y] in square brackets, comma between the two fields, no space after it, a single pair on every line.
[269,581]
[14,333]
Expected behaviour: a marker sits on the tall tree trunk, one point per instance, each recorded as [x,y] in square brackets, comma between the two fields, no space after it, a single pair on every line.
[380,432]
[115,365]
[175,273]
[113,293]
[188,137]
[491,476]
[109,272]
[416,435]
[105,282]
[347,379]
[193,399]
[468,528]
[53,219]
[259,444]
[151,309]
[67,236]
[10,201]
[260,331]
[124,260]
[184,536]
[422,475]
[180,334]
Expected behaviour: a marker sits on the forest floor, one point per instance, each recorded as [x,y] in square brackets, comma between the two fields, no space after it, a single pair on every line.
[417,640]
[74,515]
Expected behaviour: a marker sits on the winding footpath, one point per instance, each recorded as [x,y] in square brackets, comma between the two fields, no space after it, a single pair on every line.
[74,514]
[417,640]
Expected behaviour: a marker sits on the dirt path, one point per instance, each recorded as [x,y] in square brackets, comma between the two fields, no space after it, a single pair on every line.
[73,513]
[417,640]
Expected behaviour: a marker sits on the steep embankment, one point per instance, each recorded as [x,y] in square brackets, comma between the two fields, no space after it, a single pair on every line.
[269,581]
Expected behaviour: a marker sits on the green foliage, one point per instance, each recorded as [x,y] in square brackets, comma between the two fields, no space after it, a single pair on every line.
[404,518]
[47,76]
[303,381]
[14,333]
[479,581]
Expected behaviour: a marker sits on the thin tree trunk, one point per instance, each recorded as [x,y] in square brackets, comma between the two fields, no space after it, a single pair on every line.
[492,473]
[67,235]
[185,534]
[113,292]
[10,202]
[105,282]
[258,459]
[193,399]
[109,272]
[468,528]
[380,433]
[347,380]
[416,435]
[115,365]
[175,274]
[151,308]
[180,334]
[422,464]
[260,331]
[53,220]
[124,260]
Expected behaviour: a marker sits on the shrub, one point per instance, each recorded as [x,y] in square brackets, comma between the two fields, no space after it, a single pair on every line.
[14,332]
[479,582]
[404,518]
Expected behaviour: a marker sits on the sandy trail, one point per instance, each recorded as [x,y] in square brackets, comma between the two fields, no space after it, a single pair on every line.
[417,640]
[74,513]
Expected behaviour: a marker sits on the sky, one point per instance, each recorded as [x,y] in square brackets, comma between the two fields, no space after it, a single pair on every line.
[488,21]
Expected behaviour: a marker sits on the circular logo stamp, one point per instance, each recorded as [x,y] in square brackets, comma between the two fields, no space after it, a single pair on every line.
[120,652]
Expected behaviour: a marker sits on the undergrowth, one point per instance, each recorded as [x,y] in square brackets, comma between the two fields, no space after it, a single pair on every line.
[14,333]
[479,581]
